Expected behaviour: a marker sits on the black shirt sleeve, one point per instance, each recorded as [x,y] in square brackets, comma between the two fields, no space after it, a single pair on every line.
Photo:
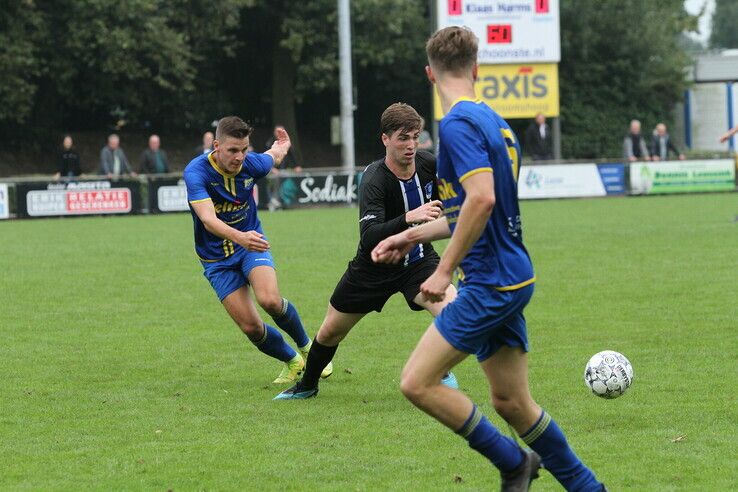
[372,212]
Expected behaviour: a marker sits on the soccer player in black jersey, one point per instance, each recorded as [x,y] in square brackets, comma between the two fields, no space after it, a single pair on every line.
[396,192]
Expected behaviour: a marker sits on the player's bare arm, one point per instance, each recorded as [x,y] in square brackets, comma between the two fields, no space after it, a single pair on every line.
[424,213]
[727,135]
[251,240]
[280,147]
[473,216]
[394,248]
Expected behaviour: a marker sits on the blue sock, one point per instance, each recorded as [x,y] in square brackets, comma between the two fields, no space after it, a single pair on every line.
[274,345]
[290,322]
[546,439]
[484,438]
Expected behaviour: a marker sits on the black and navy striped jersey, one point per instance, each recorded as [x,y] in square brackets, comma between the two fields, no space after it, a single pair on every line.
[383,201]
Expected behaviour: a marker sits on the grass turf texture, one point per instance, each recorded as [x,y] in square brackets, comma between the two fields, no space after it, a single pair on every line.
[120,370]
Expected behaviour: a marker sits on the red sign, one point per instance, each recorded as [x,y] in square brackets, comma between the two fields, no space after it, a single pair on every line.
[542,7]
[499,33]
[99,201]
[454,7]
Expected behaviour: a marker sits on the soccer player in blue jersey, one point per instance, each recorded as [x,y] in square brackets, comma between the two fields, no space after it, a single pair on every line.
[478,160]
[231,244]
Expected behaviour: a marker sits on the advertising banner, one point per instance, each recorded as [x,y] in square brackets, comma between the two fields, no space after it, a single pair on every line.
[333,188]
[516,31]
[613,178]
[44,199]
[560,181]
[4,201]
[516,91]
[682,176]
[167,195]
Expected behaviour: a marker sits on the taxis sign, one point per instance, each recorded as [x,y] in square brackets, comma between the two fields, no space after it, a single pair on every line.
[516,91]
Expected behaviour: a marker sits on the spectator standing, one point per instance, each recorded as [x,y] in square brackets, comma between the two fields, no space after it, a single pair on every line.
[154,159]
[113,161]
[634,146]
[661,144]
[67,162]
[273,180]
[538,139]
[207,144]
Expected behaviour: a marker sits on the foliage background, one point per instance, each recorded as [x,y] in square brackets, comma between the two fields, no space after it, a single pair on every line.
[175,66]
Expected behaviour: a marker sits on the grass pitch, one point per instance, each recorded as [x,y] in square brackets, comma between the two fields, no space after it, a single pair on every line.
[120,370]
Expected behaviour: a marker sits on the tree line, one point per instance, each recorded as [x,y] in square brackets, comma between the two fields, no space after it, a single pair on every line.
[73,65]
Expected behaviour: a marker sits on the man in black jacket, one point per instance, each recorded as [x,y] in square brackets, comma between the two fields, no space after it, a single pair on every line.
[661,144]
[538,141]
[153,159]
[396,192]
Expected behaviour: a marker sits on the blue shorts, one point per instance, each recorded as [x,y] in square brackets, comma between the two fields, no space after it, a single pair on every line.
[232,273]
[482,319]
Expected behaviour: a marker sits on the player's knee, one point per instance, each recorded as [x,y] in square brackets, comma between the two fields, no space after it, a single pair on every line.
[412,388]
[253,330]
[508,407]
[271,303]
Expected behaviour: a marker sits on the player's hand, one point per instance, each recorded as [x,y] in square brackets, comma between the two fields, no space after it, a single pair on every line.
[253,241]
[392,250]
[282,143]
[434,288]
[424,213]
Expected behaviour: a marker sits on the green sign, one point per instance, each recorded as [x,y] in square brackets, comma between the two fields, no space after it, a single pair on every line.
[682,176]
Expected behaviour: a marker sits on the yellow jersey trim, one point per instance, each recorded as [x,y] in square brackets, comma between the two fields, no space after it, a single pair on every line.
[464,98]
[516,286]
[209,261]
[219,170]
[475,171]
[201,200]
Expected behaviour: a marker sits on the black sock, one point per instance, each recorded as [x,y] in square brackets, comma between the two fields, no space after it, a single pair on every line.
[319,357]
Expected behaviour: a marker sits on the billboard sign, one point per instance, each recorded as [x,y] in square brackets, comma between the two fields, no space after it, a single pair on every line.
[516,91]
[4,201]
[682,176]
[514,31]
[44,199]
[560,181]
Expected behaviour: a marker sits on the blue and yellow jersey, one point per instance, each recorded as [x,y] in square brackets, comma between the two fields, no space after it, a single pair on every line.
[473,139]
[232,196]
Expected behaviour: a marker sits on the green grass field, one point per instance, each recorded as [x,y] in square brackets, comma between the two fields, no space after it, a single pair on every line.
[120,370]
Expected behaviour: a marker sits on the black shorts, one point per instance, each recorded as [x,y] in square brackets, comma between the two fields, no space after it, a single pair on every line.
[363,289]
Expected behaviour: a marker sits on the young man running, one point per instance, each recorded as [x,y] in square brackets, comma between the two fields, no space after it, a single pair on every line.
[478,161]
[396,193]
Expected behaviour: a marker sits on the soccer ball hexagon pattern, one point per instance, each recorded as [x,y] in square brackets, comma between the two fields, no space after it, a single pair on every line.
[608,374]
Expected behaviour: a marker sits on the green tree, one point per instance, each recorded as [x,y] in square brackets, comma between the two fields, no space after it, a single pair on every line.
[725,24]
[96,61]
[621,59]
[388,37]
[18,61]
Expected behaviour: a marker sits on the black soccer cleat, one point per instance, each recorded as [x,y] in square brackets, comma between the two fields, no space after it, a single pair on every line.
[519,480]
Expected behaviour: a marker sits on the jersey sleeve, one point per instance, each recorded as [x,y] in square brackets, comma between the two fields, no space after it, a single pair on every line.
[372,214]
[466,149]
[196,186]
[258,165]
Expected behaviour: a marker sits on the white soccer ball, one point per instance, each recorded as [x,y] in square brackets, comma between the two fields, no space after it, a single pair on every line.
[608,374]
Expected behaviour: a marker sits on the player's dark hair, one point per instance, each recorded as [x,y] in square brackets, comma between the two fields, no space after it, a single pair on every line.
[452,49]
[400,116]
[232,126]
